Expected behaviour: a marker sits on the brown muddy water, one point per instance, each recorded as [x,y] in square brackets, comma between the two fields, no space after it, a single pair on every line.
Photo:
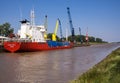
[58,66]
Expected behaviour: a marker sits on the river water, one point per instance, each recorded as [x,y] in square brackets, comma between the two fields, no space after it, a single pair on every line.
[58,66]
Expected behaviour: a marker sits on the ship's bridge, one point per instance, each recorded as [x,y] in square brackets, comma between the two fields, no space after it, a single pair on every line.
[41,28]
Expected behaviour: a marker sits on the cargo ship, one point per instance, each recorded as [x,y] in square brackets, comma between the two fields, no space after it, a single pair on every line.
[31,37]
[17,46]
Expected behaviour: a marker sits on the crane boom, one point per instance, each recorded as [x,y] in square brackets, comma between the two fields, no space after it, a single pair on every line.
[55,31]
[60,29]
[70,21]
[58,24]
[71,25]
[56,27]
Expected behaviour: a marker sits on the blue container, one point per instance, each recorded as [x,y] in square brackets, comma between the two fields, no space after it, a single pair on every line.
[55,43]
[66,43]
[52,43]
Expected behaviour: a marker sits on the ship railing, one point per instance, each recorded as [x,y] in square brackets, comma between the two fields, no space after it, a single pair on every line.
[17,40]
[25,40]
[11,39]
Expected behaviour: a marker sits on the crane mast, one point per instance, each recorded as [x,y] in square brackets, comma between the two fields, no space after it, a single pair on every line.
[70,22]
[45,25]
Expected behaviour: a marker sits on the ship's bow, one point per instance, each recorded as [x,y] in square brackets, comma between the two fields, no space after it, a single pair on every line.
[12,46]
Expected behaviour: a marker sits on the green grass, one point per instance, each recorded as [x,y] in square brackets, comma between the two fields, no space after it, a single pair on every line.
[107,71]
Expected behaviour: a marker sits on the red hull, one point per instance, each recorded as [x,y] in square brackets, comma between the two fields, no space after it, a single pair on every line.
[31,46]
[12,46]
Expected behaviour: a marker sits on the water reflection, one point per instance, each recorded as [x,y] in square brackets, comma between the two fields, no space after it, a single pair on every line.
[58,66]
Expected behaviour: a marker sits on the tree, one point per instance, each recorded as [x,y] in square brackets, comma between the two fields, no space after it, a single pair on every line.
[92,39]
[70,38]
[6,30]
[49,36]
[78,38]
[99,40]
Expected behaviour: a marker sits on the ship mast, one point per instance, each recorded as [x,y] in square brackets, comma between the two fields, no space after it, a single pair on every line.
[32,22]
[32,18]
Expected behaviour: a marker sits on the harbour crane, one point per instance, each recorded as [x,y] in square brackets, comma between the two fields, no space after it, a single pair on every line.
[55,31]
[58,24]
[71,25]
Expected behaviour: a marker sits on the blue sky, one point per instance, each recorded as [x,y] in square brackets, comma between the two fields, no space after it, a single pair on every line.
[102,17]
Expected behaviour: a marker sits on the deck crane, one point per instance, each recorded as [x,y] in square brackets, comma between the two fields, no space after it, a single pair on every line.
[58,24]
[45,25]
[71,25]
[55,31]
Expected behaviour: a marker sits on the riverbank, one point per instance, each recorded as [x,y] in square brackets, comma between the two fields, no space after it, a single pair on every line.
[78,44]
[81,45]
[107,71]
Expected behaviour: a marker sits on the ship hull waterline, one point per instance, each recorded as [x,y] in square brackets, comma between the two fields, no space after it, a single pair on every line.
[31,46]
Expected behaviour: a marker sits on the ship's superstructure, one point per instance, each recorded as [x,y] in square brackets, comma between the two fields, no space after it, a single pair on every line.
[30,31]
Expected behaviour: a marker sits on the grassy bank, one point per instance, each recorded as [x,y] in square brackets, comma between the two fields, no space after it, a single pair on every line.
[97,43]
[107,71]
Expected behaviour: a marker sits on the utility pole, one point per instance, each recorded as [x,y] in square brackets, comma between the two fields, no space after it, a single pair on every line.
[87,39]
[80,36]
